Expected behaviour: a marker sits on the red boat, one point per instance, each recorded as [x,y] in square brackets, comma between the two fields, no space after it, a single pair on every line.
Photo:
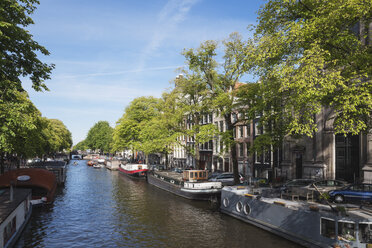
[134,170]
[42,182]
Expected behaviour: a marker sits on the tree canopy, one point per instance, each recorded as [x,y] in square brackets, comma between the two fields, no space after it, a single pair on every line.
[19,118]
[100,136]
[18,51]
[315,54]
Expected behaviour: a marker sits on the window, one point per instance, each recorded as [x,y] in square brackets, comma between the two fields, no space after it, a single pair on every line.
[267,156]
[327,228]
[239,206]
[365,232]
[9,230]
[241,150]
[211,145]
[247,209]
[241,130]
[221,126]
[234,132]
[248,145]
[210,118]
[258,158]
[226,202]
[248,130]
[257,129]
[234,117]
[346,230]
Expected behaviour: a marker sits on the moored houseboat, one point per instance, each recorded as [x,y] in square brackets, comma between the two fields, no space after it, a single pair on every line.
[15,212]
[42,182]
[59,169]
[308,224]
[134,170]
[191,184]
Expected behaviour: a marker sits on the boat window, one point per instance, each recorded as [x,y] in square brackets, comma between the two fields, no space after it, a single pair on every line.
[327,228]
[200,174]
[204,174]
[191,174]
[330,183]
[226,202]
[321,184]
[346,231]
[365,232]
[239,206]
[247,209]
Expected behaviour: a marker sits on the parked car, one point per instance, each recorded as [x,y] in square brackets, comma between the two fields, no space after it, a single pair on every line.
[227,178]
[157,167]
[295,183]
[214,174]
[178,170]
[314,189]
[354,192]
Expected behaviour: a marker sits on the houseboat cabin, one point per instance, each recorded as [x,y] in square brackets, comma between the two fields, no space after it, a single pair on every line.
[195,175]
[15,212]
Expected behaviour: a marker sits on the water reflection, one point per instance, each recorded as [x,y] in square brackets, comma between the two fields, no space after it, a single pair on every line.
[101,208]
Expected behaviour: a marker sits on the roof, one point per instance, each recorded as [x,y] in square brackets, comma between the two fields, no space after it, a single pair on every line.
[36,178]
[7,206]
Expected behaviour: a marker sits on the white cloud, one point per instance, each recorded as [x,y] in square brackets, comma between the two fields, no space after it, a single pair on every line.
[170,16]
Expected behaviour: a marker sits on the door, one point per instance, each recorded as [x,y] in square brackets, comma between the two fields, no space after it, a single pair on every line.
[347,157]
[298,165]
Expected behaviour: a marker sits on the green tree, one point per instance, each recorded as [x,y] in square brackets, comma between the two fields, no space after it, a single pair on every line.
[82,145]
[192,101]
[17,119]
[316,54]
[18,51]
[100,136]
[141,127]
[18,59]
[221,81]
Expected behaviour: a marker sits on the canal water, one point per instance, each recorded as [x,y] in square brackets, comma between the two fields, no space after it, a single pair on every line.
[102,208]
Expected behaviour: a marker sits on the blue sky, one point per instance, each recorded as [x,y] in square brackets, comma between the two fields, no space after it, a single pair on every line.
[109,52]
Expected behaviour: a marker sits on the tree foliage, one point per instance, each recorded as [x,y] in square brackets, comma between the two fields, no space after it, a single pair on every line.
[128,128]
[100,136]
[220,81]
[314,54]
[19,118]
[18,51]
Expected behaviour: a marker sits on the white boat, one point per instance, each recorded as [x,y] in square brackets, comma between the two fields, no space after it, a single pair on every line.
[97,166]
[191,184]
[15,212]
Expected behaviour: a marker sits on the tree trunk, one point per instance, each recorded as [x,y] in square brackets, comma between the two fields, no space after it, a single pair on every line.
[230,127]
[166,160]
[1,163]
[197,157]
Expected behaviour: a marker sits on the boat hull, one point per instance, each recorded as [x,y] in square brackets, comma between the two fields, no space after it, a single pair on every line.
[140,174]
[300,226]
[177,189]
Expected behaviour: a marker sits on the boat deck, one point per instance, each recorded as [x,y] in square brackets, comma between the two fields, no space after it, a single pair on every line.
[170,174]
[352,209]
